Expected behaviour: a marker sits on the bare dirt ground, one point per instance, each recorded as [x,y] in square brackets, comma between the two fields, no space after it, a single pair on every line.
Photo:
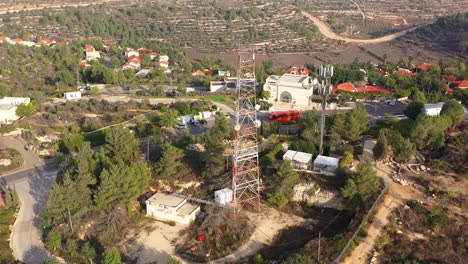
[328,32]
[158,244]
[397,196]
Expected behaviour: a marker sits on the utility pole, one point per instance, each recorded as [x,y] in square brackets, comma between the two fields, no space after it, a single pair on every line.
[318,255]
[324,89]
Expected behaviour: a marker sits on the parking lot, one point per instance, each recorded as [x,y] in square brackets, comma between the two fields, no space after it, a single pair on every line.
[381,108]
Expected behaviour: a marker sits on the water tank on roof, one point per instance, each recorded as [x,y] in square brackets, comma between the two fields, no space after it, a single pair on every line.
[223,196]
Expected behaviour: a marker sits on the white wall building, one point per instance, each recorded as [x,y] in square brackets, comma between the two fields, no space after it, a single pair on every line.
[169,207]
[299,160]
[433,109]
[8,107]
[72,95]
[326,165]
[289,89]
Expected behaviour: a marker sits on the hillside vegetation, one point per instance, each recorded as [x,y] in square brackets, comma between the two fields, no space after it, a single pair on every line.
[447,34]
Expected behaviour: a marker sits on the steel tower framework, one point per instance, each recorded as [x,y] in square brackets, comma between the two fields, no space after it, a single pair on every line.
[245,165]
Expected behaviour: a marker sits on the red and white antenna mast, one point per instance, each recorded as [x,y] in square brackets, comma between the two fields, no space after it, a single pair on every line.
[245,165]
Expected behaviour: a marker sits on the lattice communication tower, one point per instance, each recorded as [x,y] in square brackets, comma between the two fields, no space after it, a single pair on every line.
[245,166]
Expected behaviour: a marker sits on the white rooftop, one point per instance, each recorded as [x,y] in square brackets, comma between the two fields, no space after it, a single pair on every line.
[434,106]
[166,199]
[293,78]
[328,161]
[298,156]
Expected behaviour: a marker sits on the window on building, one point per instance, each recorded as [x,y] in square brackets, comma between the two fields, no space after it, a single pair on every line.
[286,97]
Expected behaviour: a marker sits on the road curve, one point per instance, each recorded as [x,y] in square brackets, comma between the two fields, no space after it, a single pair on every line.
[328,33]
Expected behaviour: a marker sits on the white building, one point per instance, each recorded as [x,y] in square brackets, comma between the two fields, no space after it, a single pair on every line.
[289,89]
[223,196]
[91,53]
[8,107]
[326,165]
[170,207]
[433,109]
[72,95]
[299,160]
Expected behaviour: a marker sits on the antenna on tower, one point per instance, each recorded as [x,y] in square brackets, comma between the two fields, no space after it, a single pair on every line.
[245,165]
[324,90]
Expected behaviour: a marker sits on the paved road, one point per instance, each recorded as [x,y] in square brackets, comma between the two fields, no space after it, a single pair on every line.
[326,31]
[33,182]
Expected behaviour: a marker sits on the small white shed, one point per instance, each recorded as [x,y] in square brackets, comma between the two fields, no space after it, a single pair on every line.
[299,160]
[223,196]
[326,165]
[433,109]
[72,95]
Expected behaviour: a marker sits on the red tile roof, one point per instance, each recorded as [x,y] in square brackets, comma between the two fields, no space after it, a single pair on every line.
[18,40]
[2,38]
[463,84]
[198,72]
[448,90]
[423,67]
[449,77]
[89,48]
[134,58]
[371,89]
[298,71]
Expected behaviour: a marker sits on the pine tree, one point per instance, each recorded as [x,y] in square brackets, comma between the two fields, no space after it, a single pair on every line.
[122,145]
[380,149]
[53,239]
[171,164]
[112,256]
[88,252]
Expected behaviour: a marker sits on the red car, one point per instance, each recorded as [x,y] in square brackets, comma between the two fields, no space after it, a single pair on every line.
[284,116]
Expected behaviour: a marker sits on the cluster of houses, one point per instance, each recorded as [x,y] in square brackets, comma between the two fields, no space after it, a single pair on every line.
[27,43]
[133,58]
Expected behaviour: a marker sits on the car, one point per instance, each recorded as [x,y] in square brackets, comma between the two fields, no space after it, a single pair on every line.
[181,126]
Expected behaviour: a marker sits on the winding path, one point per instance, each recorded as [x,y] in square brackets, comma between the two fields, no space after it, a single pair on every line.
[326,31]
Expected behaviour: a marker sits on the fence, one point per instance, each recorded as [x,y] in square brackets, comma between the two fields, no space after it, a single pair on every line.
[364,221]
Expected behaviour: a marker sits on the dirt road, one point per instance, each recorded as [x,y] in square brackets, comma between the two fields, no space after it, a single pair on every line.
[397,196]
[328,32]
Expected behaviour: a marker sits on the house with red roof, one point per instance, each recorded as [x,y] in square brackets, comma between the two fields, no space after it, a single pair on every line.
[4,39]
[198,73]
[298,71]
[350,88]
[129,52]
[17,41]
[91,53]
[372,89]
[449,78]
[84,64]
[462,84]
[422,67]
[344,87]
[143,50]
[153,55]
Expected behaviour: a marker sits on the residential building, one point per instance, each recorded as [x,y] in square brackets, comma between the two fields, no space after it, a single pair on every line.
[171,207]
[433,109]
[27,43]
[422,67]
[291,89]
[129,52]
[224,73]
[226,85]
[91,53]
[298,71]
[299,160]
[153,55]
[349,87]
[198,73]
[461,84]
[326,165]
[8,107]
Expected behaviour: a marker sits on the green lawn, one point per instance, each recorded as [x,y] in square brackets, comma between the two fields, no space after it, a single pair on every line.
[6,219]
[227,100]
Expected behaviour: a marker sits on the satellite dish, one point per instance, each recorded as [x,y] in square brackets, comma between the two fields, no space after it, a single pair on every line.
[257,107]
[258,123]
[237,127]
